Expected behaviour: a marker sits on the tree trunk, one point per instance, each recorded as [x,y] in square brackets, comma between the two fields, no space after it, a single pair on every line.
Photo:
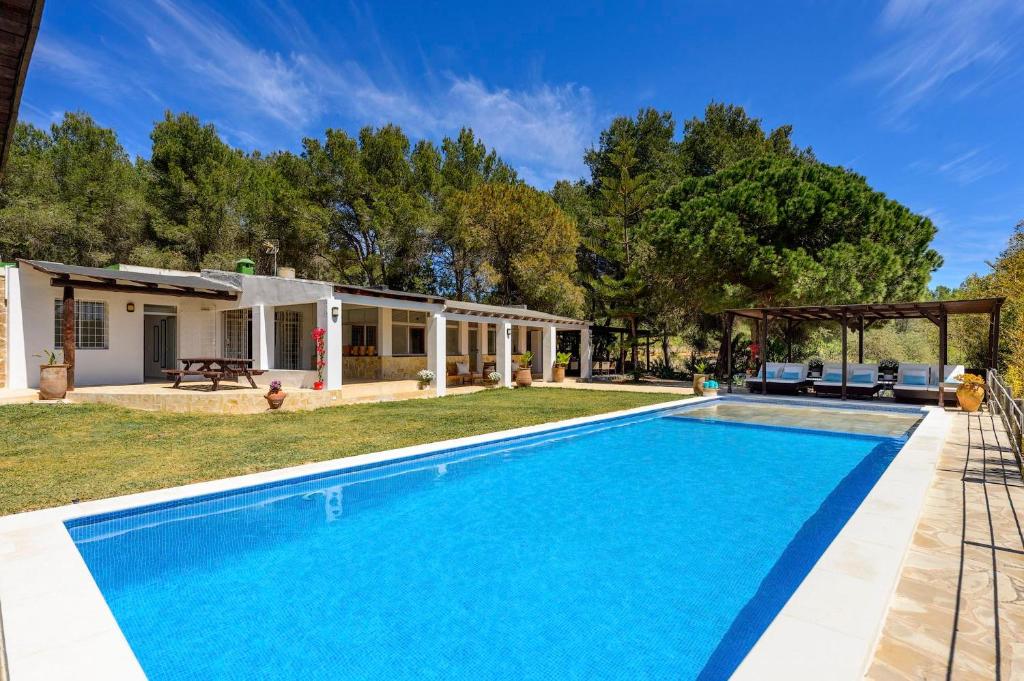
[720,368]
[665,351]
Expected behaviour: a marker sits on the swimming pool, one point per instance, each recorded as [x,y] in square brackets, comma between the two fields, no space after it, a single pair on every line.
[649,546]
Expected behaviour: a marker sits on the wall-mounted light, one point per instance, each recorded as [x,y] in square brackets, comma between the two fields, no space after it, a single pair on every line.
[335,313]
[508,332]
[131,307]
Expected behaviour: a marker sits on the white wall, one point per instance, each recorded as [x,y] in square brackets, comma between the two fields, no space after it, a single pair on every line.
[16,365]
[122,361]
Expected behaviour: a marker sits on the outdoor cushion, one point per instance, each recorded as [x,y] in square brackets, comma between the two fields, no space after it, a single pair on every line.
[790,374]
[833,377]
[462,368]
[862,377]
[915,378]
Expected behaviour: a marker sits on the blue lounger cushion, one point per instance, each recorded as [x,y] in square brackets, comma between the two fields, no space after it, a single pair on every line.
[915,379]
[790,375]
[833,377]
[866,377]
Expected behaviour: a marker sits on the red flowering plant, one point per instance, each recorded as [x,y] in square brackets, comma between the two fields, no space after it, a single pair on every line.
[321,356]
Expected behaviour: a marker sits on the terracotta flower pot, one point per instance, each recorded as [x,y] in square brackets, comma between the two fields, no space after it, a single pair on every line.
[523,377]
[558,374]
[970,397]
[698,383]
[53,381]
[275,400]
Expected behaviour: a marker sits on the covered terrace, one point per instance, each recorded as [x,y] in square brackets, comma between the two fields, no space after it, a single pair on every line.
[861,317]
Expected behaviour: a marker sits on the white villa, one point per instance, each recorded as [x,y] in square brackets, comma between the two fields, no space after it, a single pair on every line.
[133,322]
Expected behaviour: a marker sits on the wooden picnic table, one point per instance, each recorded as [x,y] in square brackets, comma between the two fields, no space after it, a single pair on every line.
[214,368]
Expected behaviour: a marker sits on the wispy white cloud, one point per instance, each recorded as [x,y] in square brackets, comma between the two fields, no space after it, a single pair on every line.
[966,167]
[77,65]
[953,47]
[542,130]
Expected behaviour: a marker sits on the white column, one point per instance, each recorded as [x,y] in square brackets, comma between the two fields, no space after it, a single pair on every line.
[262,337]
[503,352]
[586,352]
[549,346]
[384,332]
[463,338]
[482,333]
[328,317]
[437,325]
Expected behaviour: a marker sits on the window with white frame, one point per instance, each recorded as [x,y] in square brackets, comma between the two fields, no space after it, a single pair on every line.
[237,333]
[408,332]
[287,339]
[90,324]
[492,339]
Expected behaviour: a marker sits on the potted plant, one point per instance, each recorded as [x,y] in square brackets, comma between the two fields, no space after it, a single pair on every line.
[53,377]
[971,392]
[699,377]
[889,368]
[558,368]
[424,377]
[275,395]
[494,377]
[524,377]
[321,356]
[710,388]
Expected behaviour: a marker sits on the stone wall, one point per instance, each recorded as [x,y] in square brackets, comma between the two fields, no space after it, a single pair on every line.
[3,330]
[360,368]
[401,368]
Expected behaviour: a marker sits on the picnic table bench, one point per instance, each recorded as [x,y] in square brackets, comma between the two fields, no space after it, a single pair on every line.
[214,368]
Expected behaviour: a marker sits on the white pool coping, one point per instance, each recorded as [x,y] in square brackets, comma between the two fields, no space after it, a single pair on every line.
[57,624]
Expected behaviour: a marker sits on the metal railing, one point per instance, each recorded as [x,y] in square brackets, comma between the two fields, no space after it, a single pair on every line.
[1000,401]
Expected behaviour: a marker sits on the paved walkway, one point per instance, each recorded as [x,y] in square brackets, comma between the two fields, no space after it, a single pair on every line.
[958,611]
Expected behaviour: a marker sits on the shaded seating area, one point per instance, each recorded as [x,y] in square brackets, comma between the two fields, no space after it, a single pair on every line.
[861,380]
[784,378]
[921,382]
[847,379]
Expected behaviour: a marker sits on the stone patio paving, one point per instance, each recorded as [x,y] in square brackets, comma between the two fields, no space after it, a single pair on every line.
[958,611]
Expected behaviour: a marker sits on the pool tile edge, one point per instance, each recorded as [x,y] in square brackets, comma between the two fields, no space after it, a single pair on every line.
[860,568]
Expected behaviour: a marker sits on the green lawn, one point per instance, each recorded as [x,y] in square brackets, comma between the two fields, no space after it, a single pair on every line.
[50,455]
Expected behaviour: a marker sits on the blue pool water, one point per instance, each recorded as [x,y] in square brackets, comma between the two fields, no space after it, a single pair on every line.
[652,547]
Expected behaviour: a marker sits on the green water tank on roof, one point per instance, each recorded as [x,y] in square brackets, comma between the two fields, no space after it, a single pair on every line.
[245,266]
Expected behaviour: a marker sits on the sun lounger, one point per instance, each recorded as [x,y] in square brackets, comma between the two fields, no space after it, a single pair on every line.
[920,382]
[783,378]
[861,380]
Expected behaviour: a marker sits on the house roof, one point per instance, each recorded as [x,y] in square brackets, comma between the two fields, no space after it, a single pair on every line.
[99,278]
[509,312]
[513,312]
[930,309]
[19,25]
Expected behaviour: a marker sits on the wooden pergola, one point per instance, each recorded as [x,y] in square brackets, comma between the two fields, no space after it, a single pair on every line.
[19,25]
[863,316]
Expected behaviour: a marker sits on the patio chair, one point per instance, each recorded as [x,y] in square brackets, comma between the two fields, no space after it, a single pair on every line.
[783,379]
[861,380]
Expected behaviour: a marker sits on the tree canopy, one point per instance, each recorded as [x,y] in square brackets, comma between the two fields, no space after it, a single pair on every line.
[672,224]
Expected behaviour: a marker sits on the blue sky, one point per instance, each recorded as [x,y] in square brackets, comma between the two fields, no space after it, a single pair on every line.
[924,98]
